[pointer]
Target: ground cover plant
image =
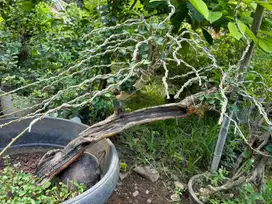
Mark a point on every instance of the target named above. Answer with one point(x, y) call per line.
point(20, 187)
point(93, 69)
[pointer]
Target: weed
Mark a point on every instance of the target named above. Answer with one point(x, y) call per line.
point(179, 146)
point(151, 95)
point(248, 194)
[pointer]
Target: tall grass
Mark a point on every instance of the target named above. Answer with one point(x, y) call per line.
point(177, 147)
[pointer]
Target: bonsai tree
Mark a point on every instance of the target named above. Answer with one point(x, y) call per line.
point(147, 46)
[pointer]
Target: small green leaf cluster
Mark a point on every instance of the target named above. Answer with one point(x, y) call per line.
point(19, 187)
point(247, 193)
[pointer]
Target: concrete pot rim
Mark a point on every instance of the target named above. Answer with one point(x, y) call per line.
point(193, 197)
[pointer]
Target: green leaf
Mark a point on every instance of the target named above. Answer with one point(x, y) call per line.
point(265, 45)
point(246, 30)
point(214, 16)
point(156, 4)
point(202, 97)
point(47, 185)
point(207, 36)
point(25, 5)
point(242, 26)
point(108, 95)
point(251, 35)
point(234, 30)
point(201, 7)
point(246, 19)
point(246, 154)
point(179, 16)
point(234, 108)
point(266, 32)
point(268, 148)
point(267, 5)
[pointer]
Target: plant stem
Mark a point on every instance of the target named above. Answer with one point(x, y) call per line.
point(12, 141)
point(257, 20)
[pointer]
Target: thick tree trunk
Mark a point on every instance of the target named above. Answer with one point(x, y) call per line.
point(56, 161)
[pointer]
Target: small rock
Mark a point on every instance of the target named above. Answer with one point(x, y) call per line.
point(174, 197)
point(201, 190)
point(179, 185)
point(122, 176)
point(147, 172)
point(147, 192)
point(136, 193)
point(149, 200)
point(76, 119)
point(33, 166)
point(204, 191)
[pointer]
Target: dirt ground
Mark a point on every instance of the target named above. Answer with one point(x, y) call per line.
point(135, 189)
point(132, 189)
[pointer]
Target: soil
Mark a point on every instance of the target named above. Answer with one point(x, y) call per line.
point(132, 189)
point(135, 189)
point(28, 161)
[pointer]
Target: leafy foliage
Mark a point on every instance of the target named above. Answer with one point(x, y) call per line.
point(19, 187)
point(248, 194)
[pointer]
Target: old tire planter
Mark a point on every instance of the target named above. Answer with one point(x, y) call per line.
point(56, 133)
point(193, 197)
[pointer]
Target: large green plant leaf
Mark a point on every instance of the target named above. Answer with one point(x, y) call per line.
point(201, 7)
point(265, 45)
point(25, 5)
point(269, 33)
point(234, 30)
point(214, 16)
point(195, 15)
point(250, 34)
point(267, 5)
point(243, 28)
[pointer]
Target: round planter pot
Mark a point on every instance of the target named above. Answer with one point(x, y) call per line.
point(51, 133)
point(193, 197)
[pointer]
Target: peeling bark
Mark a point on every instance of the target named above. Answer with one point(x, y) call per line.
point(55, 161)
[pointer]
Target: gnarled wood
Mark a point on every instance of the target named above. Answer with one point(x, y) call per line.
point(54, 162)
